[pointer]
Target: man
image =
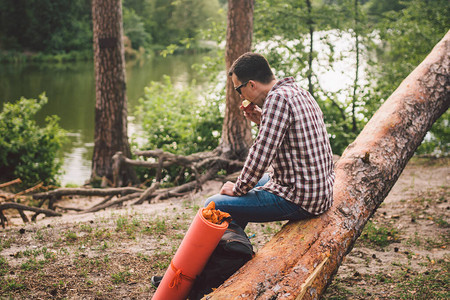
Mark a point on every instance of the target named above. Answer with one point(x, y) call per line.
point(292, 139)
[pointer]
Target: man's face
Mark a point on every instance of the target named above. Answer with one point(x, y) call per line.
point(250, 90)
point(240, 87)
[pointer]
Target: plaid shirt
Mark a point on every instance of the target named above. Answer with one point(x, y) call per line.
point(292, 139)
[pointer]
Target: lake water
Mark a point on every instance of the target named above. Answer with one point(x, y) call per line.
point(70, 88)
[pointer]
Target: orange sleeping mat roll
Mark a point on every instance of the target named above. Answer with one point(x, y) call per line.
point(191, 257)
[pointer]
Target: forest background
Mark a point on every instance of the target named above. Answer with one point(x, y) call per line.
point(390, 37)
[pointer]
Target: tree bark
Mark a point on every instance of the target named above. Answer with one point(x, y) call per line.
point(301, 260)
point(236, 130)
point(111, 103)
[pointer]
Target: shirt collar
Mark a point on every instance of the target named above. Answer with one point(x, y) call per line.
point(281, 82)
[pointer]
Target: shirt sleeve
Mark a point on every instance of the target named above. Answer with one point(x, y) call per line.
point(275, 120)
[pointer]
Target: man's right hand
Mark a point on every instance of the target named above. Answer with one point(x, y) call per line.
point(252, 112)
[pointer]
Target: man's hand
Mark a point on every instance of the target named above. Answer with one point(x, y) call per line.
point(227, 189)
point(252, 112)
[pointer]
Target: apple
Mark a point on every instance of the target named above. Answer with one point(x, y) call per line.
point(247, 106)
point(246, 103)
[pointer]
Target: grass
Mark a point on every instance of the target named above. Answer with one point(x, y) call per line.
point(71, 236)
point(4, 267)
point(405, 283)
point(6, 243)
point(86, 228)
point(32, 265)
point(120, 277)
point(437, 242)
point(39, 235)
point(379, 236)
point(431, 284)
point(157, 227)
point(91, 256)
point(10, 284)
point(441, 222)
point(416, 241)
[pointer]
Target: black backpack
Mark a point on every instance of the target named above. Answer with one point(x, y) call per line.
point(233, 251)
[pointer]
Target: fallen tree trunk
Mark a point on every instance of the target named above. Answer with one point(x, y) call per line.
point(301, 260)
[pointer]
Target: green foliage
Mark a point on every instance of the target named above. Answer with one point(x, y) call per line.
point(58, 26)
point(169, 22)
point(212, 66)
point(338, 126)
point(134, 29)
point(176, 120)
point(406, 37)
point(27, 151)
point(285, 25)
point(376, 9)
point(45, 25)
point(437, 142)
point(10, 284)
point(284, 30)
point(393, 38)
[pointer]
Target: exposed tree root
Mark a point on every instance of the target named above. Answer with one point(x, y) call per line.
point(21, 208)
point(203, 166)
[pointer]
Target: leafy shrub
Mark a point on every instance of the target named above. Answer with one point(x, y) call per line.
point(27, 151)
point(176, 120)
point(134, 29)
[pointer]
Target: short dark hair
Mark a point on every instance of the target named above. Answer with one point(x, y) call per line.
point(252, 66)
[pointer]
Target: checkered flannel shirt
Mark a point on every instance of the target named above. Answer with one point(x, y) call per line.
point(292, 139)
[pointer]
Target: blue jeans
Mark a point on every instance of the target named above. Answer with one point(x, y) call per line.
point(258, 206)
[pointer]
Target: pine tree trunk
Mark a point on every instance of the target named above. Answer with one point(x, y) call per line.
point(111, 103)
point(300, 261)
point(236, 130)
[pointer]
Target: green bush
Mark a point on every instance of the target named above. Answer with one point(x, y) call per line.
point(27, 151)
point(176, 120)
point(134, 29)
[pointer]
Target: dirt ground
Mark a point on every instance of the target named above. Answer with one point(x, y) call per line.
point(112, 254)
